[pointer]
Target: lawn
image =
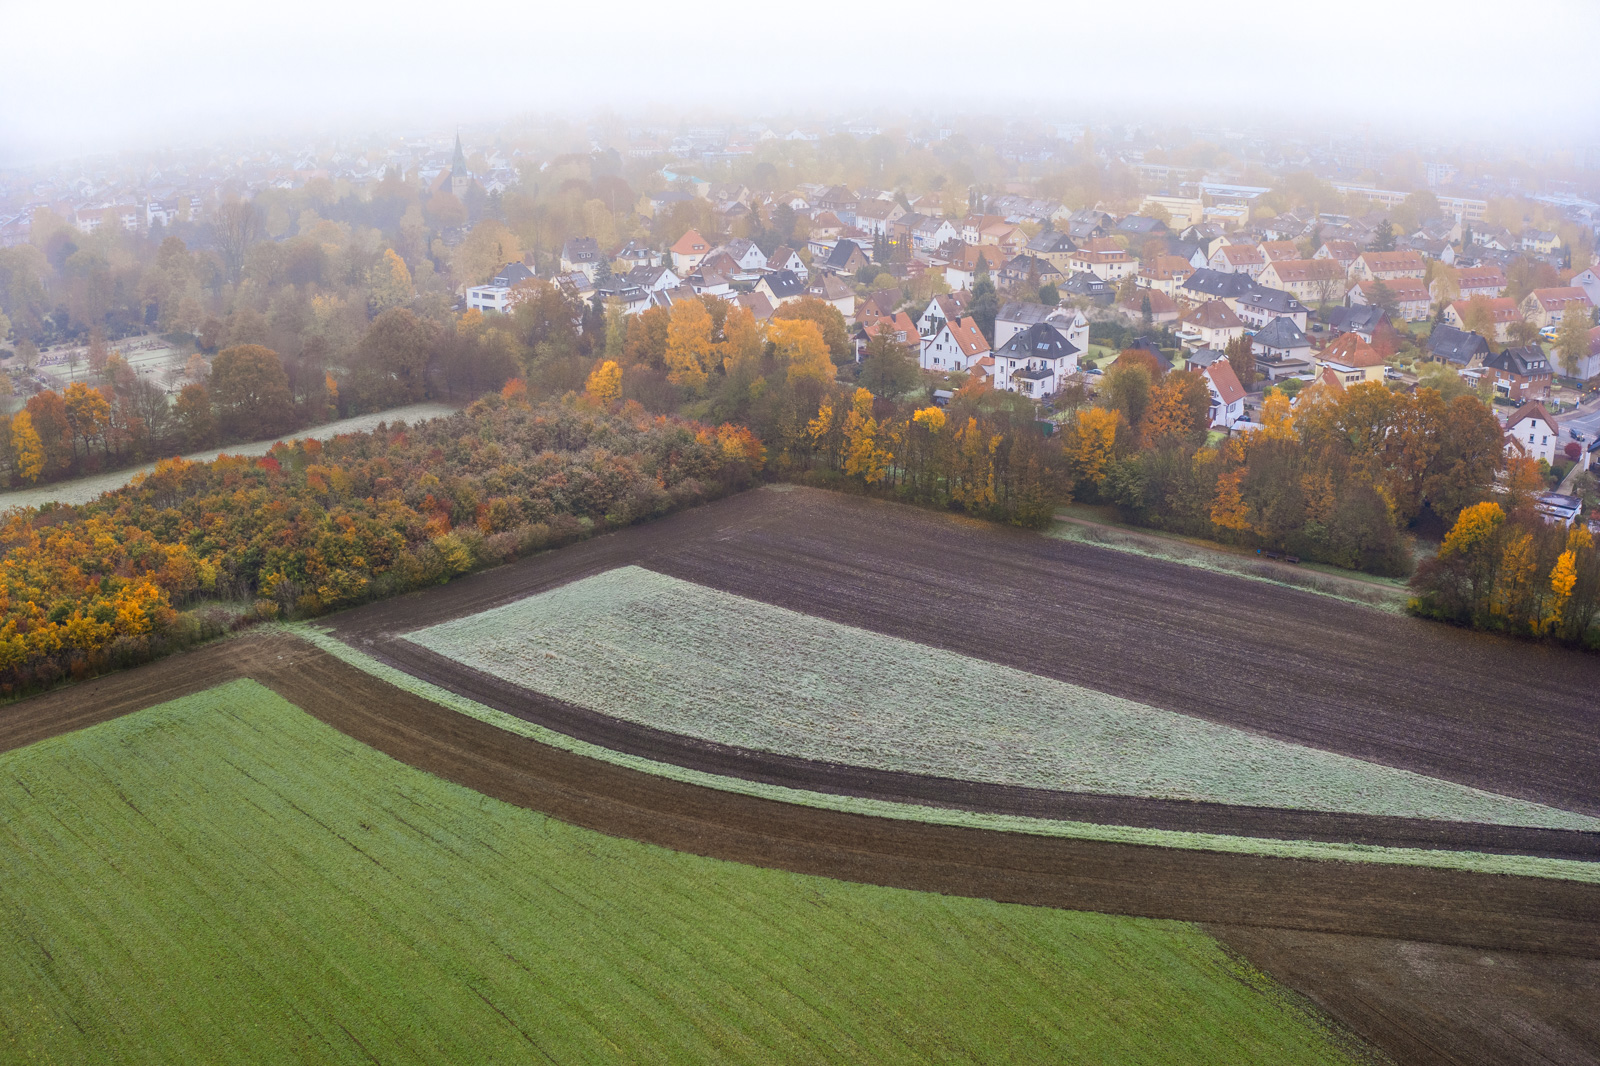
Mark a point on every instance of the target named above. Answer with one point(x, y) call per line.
point(673, 655)
point(223, 878)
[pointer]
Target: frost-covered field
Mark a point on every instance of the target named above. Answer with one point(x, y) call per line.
point(666, 653)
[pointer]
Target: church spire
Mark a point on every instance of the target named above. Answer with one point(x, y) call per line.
point(458, 165)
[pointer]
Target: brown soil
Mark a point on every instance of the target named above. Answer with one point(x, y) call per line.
point(1511, 717)
point(1434, 1003)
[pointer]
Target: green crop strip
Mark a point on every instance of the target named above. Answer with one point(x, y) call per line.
point(223, 878)
point(1476, 862)
point(658, 651)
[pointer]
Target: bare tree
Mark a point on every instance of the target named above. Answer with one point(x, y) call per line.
point(237, 227)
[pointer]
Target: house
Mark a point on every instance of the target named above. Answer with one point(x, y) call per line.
point(496, 294)
point(1010, 239)
point(745, 254)
point(781, 287)
point(946, 307)
point(1362, 320)
point(637, 254)
point(1459, 348)
point(1207, 284)
point(1587, 279)
point(1025, 268)
point(1054, 246)
point(846, 257)
point(1272, 251)
point(784, 257)
point(1089, 287)
point(1547, 307)
point(1261, 305)
point(1282, 350)
point(1342, 252)
point(1532, 432)
point(1557, 508)
point(1352, 359)
point(1502, 312)
point(1161, 307)
point(1211, 325)
point(687, 253)
point(1386, 266)
point(757, 304)
point(1409, 296)
point(1035, 362)
point(1520, 373)
point(1238, 259)
point(1541, 241)
point(1307, 280)
point(1485, 281)
point(1227, 395)
point(653, 278)
point(1111, 266)
point(1140, 227)
point(710, 282)
point(830, 290)
point(1019, 315)
point(933, 233)
point(881, 303)
point(1589, 365)
point(581, 253)
point(955, 345)
point(1163, 273)
point(897, 326)
point(825, 225)
point(874, 216)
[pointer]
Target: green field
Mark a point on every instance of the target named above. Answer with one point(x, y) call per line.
point(677, 656)
point(225, 879)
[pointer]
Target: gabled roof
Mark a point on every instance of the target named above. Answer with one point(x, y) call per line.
point(1225, 381)
point(829, 287)
point(1214, 314)
point(1219, 284)
point(1241, 254)
point(1282, 332)
point(1024, 264)
point(756, 303)
point(511, 274)
point(1051, 242)
point(1350, 350)
point(1359, 318)
point(839, 257)
point(1526, 361)
point(1453, 345)
point(1039, 341)
point(1404, 290)
point(691, 243)
point(1275, 300)
point(1160, 302)
point(1023, 313)
point(1329, 378)
point(783, 284)
point(1307, 270)
point(968, 337)
point(1404, 260)
point(1557, 298)
point(1531, 409)
point(1501, 308)
point(1345, 251)
point(581, 250)
point(1273, 251)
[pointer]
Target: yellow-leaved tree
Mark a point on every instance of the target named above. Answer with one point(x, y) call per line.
point(798, 343)
point(688, 344)
point(389, 281)
point(605, 383)
point(972, 485)
point(742, 342)
point(28, 447)
point(864, 454)
point(1089, 443)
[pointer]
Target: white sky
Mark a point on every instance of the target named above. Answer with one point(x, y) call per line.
point(108, 73)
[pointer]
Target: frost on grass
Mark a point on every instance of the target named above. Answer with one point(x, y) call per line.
point(673, 655)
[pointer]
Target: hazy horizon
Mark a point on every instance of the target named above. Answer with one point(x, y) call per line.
point(180, 72)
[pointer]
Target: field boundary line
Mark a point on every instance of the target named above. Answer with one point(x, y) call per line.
point(1466, 861)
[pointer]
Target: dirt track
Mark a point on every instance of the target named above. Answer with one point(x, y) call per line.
point(1511, 717)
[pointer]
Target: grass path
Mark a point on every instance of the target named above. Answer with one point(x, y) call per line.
point(84, 489)
point(222, 878)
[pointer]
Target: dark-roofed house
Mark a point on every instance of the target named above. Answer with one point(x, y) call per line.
point(781, 287)
point(846, 257)
point(1206, 284)
point(1520, 374)
point(1035, 362)
point(1089, 286)
point(1261, 305)
point(1053, 245)
point(1282, 350)
point(1025, 266)
point(1211, 325)
point(829, 289)
point(1360, 320)
point(1460, 348)
point(1018, 315)
point(581, 253)
point(1140, 226)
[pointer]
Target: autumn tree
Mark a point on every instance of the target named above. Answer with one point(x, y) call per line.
point(829, 321)
point(389, 283)
point(88, 413)
point(888, 369)
point(742, 341)
point(48, 414)
point(391, 362)
point(798, 345)
point(1572, 342)
point(236, 227)
point(27, 447)
point(605, 383)
point(688, 344)
point(192, 411)
point(251, 392)
point(1241, 356)
point(865, 455)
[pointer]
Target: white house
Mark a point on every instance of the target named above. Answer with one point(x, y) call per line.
point(1035, 362)
point(785, 258)
point(1227, 395)
point(1532, 432)
point(746, 254)
point(1589, 281)
point(1018, 315)
point(955, 345)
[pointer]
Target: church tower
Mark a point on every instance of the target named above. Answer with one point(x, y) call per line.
point(460, 176)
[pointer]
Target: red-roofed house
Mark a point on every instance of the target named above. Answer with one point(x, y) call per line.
point(1163, 308)
point(1227, 395)
point(1272, 251)
point(1307, 280)
point(956, 345)
point(1386, 266)
point(1546, 307)
point(1238, 259)
point(1211, 325)
point(1502, 310)
point(1163, 273)
point(1342, 252)
point(1110, 266)
point(1486, 281)
point(1352, 359)
point(688, 252)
